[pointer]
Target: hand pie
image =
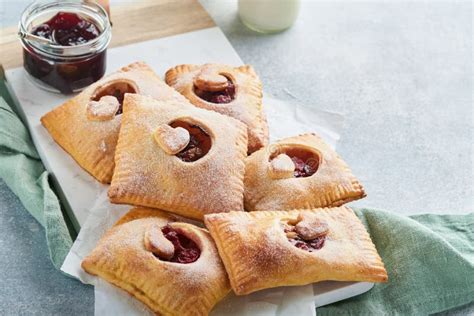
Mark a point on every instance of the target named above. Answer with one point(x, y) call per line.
point(172, 267)
point(236, 92)
point(300, 172)
point(284, 248)
point(176, 157)
point(87, 125)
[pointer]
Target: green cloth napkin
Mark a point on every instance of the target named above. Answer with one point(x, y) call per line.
point(430, 264)
point(22, 170)
point(429, 258)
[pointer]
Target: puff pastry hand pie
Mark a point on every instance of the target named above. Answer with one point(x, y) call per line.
point(87, 125)
point(233, 91)
point(177, 157)
point(300, 172)
point(284, 248)
point(172, 267)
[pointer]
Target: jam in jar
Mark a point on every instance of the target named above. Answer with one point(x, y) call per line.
point(64, 44)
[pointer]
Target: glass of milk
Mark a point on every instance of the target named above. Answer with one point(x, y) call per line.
point(269, 16)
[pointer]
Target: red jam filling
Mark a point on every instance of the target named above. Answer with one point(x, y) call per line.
point(308, 245)
point(119, 96)
point(302, 169)
point(185, 250)
point(223, 96)
point(67, 29)
point(199, 142)
point(306, 161)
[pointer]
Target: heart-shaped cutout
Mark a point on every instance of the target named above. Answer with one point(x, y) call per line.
point(209, 79)
point(157, 243)
point(281, 167)
point(171, 140)
point(104, 109)
point(309, 226)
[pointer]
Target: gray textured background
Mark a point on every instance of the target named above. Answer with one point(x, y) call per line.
point(401, 73)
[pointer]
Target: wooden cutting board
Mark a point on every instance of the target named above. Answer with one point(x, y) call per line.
point(135, 22)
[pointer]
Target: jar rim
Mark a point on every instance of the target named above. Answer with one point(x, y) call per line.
point(92, 10)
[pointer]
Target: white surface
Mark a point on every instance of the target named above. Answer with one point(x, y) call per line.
point(329, 292)
point(95, 214)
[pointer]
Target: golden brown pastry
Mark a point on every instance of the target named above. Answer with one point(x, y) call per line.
point(300, 172)
point(284, 248)
point(233, 91)
point(177, 157)
point(87, 125)
point(172, 267)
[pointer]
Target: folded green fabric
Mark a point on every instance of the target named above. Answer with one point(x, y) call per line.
point(23, 172)
point(429, 260)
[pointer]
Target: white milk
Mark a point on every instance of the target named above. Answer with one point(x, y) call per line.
point(268, 16)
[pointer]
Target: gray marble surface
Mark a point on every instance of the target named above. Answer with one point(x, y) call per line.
point(401, 73)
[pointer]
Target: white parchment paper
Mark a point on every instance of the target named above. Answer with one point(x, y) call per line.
point(285, 119)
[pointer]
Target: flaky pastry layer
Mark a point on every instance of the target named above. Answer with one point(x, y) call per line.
point(167, 288)
point(92, 143)
point(148, 176)
point(257, 254)
point(333, 184)
point(246, 107)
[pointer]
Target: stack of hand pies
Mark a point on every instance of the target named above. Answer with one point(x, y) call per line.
point(196, 147)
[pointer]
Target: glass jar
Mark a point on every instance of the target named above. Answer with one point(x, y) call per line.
point(58, 68)
point(268, 16)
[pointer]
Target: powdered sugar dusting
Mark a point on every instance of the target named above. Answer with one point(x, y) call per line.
point(103, 146)
point(92, 142)
point(331, 185)
point(258, 254)
point(281, 167)
point(104, 109)
point(171, 140)
point(246, 107)
point(148, 176)
point(169, 286)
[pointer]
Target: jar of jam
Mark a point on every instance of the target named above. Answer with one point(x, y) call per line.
point(64, 44)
